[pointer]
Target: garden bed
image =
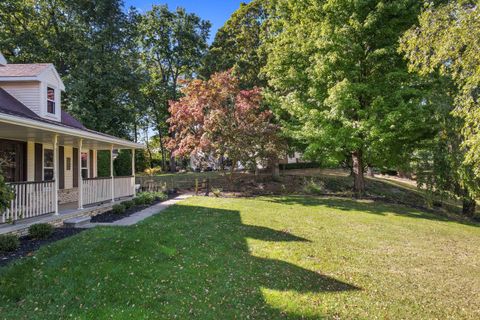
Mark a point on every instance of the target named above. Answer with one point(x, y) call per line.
point(28, 245)
point(110, 216)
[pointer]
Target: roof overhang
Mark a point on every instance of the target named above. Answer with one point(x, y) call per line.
point(24, 129)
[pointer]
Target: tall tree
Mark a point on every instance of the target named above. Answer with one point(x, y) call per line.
point(173, 46)
point(237, 46)
point(447, 40)
point(339, 84)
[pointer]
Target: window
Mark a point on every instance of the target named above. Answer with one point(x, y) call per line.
point(84, 165)
point(50, 100)
point(47, 164)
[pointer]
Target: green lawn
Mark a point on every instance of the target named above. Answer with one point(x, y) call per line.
point(264, 258)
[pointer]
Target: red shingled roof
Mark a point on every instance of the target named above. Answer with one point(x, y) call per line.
point(23, 70)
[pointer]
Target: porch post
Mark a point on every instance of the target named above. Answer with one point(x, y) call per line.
point(55, 173)
point(80, 177)
point(133, 172)
point(111, 173)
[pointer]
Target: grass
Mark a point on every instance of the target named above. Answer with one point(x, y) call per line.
point(264, 258)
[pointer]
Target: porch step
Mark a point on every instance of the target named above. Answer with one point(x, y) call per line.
point(77, 222)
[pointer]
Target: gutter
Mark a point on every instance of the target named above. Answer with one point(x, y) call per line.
point(15, 120)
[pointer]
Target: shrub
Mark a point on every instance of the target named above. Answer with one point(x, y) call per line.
point(313, 187)
point(217, 192)
point(118, 209)
point(128, 204)
point(300, 165)
point(153, 171)
point(8, 243)
point(160, 196)
point(40, 231)
point(138, 201)
point(148, 197)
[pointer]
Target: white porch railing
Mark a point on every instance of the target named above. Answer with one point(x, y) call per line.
point(96, 190)
point(100, 189)
point(32, 199)
point(123, 186)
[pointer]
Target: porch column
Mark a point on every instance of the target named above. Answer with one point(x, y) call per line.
point(111, 173)
point(133, 172)
point(55, 173)
point(80, 177)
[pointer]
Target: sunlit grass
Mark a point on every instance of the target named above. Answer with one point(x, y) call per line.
point(264, 258)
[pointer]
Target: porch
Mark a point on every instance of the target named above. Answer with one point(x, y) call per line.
point(55, 173)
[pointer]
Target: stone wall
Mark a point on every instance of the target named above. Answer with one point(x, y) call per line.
point(67, 195)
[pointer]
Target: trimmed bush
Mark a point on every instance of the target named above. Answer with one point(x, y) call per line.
point(118, 209)
point(138, 201)
point(40, 231)
point(128, 204)
point(160, 196)
point(305, 165)
point(149, 198)
point(9, 243)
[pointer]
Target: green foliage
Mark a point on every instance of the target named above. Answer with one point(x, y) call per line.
point(338, 84)
point(314, 187)
point(8, 243)
point(128, 204)
point(122, 165)
point(118, 208)
point(217, 192)
point(173, 43)
point(6, 194)
point(138, 200)
point(237, 46)
point(446, 40)
point(103, 163)
point(41, 231)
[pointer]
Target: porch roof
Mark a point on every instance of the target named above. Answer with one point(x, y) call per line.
point(16, 127)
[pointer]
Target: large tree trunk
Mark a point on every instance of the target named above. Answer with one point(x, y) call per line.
point(358, 178)
point(469, 206)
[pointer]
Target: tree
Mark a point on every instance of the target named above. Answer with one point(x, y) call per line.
point(173, 45)
point(446, 40)
point(237, 46)
point(338, 84)
point(215, 117)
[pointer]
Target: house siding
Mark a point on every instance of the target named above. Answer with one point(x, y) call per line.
point(27, 93)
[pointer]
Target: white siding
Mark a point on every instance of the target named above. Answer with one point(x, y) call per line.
point(68, 173)
point(27, 93)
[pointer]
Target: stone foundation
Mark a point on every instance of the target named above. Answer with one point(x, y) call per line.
point(67, 195)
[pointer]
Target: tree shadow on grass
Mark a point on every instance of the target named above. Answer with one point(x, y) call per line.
point(369, 206)
point(188, 263)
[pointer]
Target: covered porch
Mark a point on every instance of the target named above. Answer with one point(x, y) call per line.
point(55, 171)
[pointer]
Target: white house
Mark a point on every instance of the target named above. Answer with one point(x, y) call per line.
point(49, 157)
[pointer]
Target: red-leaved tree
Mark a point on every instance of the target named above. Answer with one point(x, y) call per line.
point(214, 117)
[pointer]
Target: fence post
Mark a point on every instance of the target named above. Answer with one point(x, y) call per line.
point(196, 186)
point(208, 187)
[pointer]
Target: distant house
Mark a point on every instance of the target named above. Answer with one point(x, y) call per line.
point(293, 157)
point(49, 157)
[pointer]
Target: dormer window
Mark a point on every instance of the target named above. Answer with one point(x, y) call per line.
point(51, 100)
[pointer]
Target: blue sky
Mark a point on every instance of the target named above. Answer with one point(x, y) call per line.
point(216, 11)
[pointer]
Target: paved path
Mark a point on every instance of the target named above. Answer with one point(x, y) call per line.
point(142, 215)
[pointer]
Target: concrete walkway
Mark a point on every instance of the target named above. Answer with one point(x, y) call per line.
point(141, 215)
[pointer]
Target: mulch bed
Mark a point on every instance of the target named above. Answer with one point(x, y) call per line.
point(109, 216)
point(29, 245)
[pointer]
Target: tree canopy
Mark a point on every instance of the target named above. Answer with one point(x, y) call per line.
point(446, 40)
point(339, 84)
